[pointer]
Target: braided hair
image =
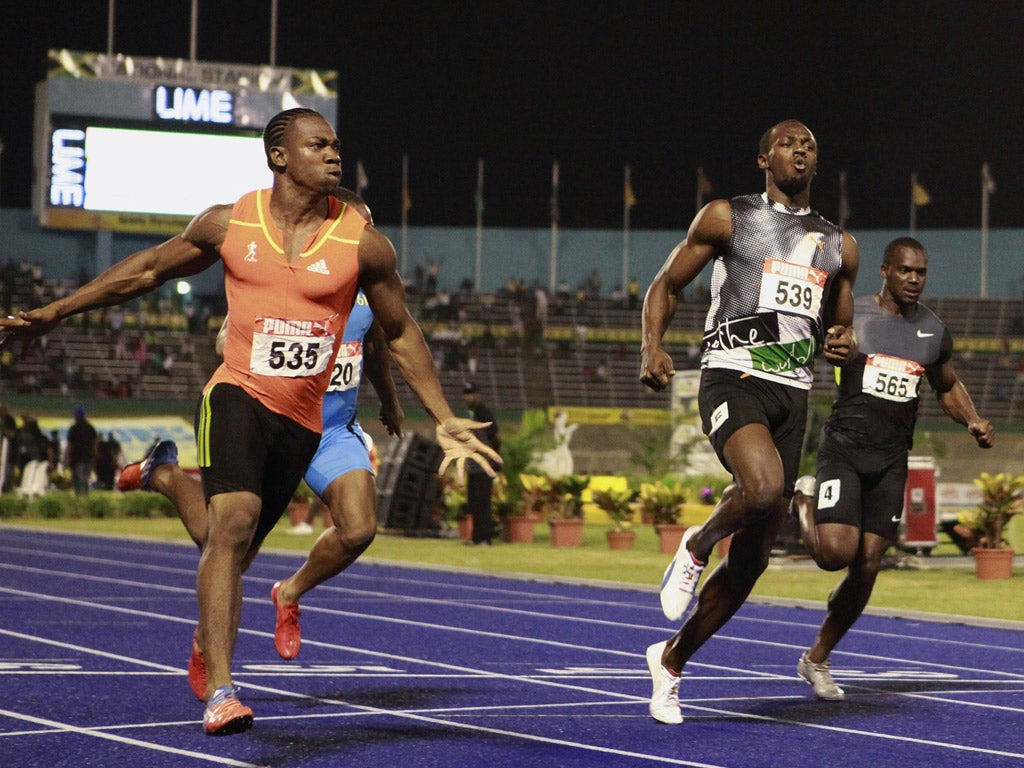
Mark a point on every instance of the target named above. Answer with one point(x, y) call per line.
point(273, 134)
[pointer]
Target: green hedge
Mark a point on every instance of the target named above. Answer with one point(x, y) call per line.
point(96, 504)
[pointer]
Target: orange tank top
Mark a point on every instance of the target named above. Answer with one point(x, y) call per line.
point(287, 319)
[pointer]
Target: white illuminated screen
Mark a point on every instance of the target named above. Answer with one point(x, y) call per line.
point(167, 172)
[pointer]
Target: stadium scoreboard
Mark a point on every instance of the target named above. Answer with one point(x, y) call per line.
point(136, 144)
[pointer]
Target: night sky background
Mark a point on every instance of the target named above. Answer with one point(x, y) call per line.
point(934, 88)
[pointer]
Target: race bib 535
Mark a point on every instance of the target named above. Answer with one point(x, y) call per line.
point(290, 347)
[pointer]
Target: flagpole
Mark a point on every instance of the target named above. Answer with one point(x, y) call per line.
point(405, 214)
point(192, 31)
point(986, 189)
point(844, 201)
point(626, 187)
point(110, 27)
point(553, 273)
point(913, 206)
point(273, 33)
point(479, 202)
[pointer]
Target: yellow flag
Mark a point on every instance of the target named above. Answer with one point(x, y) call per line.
point(919, 195)
point(627, 195)
point(406, 200)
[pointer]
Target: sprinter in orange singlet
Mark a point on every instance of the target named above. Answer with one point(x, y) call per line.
point(293, 257)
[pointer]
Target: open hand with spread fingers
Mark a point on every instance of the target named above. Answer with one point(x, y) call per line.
point(456, 438)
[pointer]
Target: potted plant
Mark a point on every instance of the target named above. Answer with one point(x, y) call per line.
point(662, 504)
point(616, 503)
point(1002, 497)
point(536, 491)
point(453, 499)
point(565, 510)
point(298, 509)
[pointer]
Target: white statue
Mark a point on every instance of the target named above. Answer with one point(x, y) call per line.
point(558, 461)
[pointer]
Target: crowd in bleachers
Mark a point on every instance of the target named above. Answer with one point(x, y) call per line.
point(522, 346)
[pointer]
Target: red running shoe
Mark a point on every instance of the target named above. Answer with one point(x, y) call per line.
point(135, 477)
point(225, 714)
point(197, 669)
point(287, 637)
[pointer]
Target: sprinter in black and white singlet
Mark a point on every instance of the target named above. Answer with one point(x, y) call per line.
point(862, 457)
point(781, 290)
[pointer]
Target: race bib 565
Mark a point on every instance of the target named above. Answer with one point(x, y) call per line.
point(891, 378)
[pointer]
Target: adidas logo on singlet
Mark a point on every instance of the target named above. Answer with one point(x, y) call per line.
point(320, 267)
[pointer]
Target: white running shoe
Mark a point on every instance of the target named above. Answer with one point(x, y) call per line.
point(301, 529)
point(664, 705)
point(679, 583)
point(819, 675)
point(807, 485)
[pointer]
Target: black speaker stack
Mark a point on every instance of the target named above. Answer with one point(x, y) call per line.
point(408, 486)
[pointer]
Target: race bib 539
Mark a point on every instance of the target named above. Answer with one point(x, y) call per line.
point(795, 289)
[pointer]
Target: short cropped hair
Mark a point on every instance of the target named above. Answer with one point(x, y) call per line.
point(902, 242)
point(273, 134)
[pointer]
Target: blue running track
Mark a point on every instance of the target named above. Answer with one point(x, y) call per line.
point(405, 667)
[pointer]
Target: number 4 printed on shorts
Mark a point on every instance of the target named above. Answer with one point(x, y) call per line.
point(828, 494)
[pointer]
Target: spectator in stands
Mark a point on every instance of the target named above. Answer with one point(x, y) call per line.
point(594, 283)
point(433, 268)
point(31, 445)
point(109, 459)
point(480, 485)
point(80, 454)
point(8, 429)
point(633, 292)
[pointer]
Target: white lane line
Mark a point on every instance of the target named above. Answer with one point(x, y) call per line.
point(519, 595)
point(857, 732)
point(409, 715)
point(483, 673)
point(66, 728)
point(944, 666)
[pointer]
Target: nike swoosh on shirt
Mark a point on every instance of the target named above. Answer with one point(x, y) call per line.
point(922, 335)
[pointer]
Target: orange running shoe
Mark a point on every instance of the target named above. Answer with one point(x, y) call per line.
point(225, 714)
point(287, 637)
point(135, 477)
point(197, 669)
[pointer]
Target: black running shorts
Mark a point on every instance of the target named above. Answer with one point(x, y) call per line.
point(244, 446)
point(859, 487)
point(729, 400)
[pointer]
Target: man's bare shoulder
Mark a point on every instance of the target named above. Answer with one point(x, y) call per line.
point(209, 227)
point(375, 250)
point(713, 224)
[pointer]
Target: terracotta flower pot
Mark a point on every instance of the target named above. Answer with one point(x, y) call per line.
point(669, 536)
point(620, 539)
point(298, 512)
point(566, 533)
point(520, 529)
point(993, 563)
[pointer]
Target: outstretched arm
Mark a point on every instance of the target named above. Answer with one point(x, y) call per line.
point(708, 236)
point(383, 288)
point(186, 254)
